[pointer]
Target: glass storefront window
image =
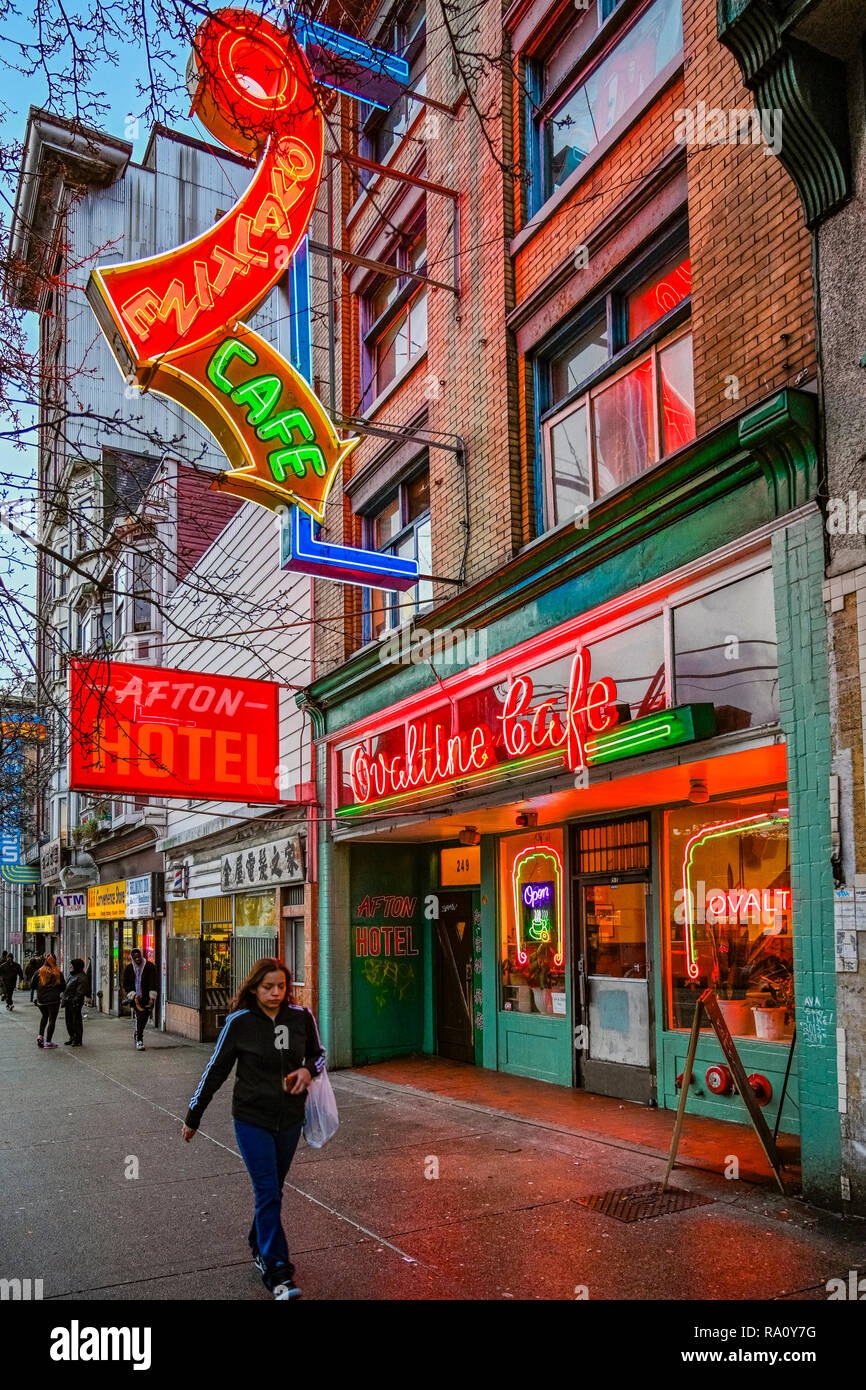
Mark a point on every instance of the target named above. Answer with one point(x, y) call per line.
point(725, 651)
point(636, 660)
point(185, 918)
point(532, 925)
point(255, 914)
point(728, 914)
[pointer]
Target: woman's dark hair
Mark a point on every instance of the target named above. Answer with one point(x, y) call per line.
point(246, 995)
point(77, 964)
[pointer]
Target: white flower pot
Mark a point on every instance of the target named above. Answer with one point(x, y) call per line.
point(542, 1000)
point(738, 1016)
point(770, 1024)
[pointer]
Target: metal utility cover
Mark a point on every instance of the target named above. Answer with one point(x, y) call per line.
point(643, 1200)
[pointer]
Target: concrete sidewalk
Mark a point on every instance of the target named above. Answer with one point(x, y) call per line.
point(104, 1201)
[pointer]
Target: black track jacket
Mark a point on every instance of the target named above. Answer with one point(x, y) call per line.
point(264, 1055)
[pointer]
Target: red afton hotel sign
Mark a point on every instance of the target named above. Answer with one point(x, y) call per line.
point(162, 732)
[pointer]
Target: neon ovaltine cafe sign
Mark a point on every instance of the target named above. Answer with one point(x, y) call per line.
point(431, 757)
point(175, 321)
point(583, 726)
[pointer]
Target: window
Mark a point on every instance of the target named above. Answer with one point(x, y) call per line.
point(294, 938)
point(572, 117)
point(119, 603)
point(532, 928)
point(620, 392)
point(401, 526)
point(142, 591)
point(728, 916)
point(383, 130)
point(394, 316)
point(725, 651)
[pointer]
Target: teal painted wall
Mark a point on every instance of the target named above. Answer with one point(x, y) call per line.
point(804, 684)
point(390, 980)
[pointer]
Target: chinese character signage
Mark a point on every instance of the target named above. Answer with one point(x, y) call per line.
point(146, 729)
point(50, 859)
point(263, 866)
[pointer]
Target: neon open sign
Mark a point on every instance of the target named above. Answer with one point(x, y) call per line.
point(537, 895)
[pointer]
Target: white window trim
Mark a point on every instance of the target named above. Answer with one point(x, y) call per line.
point(586, 399)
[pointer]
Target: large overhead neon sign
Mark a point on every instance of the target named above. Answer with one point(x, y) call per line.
point(172, 733)
point(173, 321)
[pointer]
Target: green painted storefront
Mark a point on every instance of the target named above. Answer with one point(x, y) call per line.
point(752, 481)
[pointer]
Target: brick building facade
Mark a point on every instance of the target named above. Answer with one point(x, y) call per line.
point(630, 365)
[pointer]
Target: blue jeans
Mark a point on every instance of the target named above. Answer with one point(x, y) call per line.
point(268, 1157)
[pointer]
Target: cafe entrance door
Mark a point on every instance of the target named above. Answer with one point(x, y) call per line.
point(611, 899)
point(455, 975)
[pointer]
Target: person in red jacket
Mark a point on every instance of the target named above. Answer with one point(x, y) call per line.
point(278, 1051)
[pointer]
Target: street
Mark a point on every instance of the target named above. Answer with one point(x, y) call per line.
point(102, 1200)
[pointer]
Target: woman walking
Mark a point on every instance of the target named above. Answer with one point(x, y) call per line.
point(277, 1047)
point(50, 985)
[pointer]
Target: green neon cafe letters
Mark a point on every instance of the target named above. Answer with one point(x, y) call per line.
point(223, 355)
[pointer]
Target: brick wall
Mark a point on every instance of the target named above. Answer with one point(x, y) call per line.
point(752, 295)
point(466, 381)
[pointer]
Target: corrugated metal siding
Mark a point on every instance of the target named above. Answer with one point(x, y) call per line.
point(236, 587)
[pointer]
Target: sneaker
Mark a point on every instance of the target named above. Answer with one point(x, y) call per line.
point(39, 1042)
point(139, 1047)
point(287, 1289)
point(69, 1043)
point(49, 1044)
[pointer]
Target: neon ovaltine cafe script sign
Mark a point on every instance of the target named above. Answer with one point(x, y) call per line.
point(175, 321)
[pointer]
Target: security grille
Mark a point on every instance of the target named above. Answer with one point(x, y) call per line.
point(184, 971)
point(619, 848)
point(246, 950)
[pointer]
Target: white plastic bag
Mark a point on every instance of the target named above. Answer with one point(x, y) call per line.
point(321, 1120)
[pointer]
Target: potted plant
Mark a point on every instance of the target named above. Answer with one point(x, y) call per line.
point(771, 1014)
point(89, 830)
point(540, 976)
point(733, 957)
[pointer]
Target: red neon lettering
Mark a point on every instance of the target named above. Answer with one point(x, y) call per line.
point(590, 707)
point(360, 941)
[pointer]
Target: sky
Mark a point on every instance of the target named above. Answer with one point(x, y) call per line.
point(19, 93)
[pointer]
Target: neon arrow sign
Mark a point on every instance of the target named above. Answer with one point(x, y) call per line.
point(173, 321)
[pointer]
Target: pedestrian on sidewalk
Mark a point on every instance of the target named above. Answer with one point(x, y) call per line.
point(139, 982)
point(50, 985)
point(34, 965)
point(10, 974)
point(278, 1051)
point(73, 1003)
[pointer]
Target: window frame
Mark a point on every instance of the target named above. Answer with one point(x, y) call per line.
point(609, 302)
point(394, 599)
point(612, 28)
point(373, 331)
point(396, 38)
